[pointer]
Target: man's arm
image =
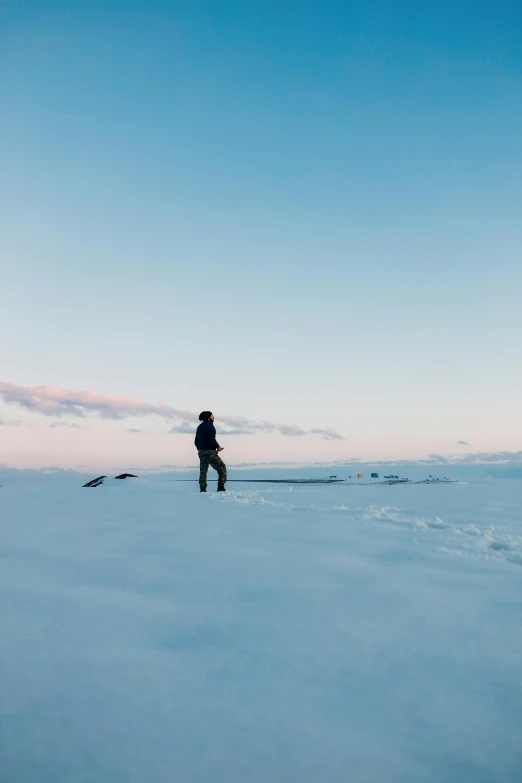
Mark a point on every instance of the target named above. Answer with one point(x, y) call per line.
point(212, 433)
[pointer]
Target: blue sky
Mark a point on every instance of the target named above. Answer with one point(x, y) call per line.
point(305, 213)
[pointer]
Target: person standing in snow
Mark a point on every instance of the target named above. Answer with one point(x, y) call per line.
point(208, 447)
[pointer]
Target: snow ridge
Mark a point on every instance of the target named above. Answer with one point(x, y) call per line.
point(491, 543)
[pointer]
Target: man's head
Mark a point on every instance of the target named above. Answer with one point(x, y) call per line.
point(206, 416)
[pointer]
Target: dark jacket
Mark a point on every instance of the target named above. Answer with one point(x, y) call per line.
point(206, 436)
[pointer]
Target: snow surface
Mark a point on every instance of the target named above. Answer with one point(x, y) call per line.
point(271, 633)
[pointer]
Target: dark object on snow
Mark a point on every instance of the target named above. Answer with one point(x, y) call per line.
point(221, 489)
point(374, 475)
point(432, 480)
point(277, 481)
point(202, 490)
point(95, 482)
point(287, 481)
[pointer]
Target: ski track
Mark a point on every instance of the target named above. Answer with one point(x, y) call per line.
point(468, 541)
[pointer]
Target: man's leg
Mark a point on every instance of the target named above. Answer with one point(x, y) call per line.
point(218, 464)
point(204, 462)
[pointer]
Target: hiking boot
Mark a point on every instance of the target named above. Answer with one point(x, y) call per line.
point(221, 489)
point(202, 490)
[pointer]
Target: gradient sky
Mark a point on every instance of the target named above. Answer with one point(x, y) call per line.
point(300, 212)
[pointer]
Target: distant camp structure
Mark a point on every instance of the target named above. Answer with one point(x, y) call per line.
point(374, 475)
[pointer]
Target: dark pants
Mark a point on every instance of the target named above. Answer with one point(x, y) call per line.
point(211, 457)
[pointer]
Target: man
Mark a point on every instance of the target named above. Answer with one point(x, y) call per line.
point(207, 446)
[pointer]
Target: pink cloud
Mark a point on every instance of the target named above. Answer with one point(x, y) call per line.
point(53, 401)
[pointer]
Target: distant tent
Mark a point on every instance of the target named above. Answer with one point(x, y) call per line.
point(360, 475)
point(374, 475)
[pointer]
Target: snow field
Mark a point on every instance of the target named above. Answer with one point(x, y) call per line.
point(274, 634)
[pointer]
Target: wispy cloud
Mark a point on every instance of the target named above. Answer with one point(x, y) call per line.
point(494, 457)
point(133, 429)
point(478, 457)
point(182, 427)
point(462, 443)
point(66, 424)
point(10, 423)
point(500, 459)
point(53, 401)
point(327, 433)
